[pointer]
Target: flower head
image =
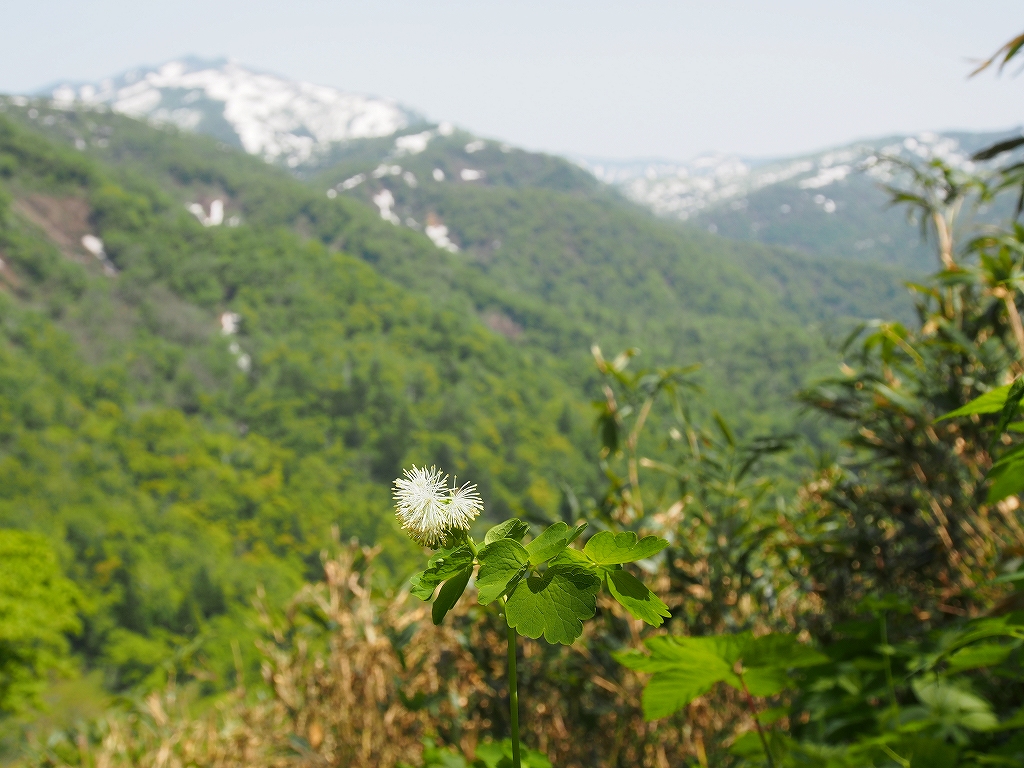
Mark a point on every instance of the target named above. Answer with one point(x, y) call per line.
point(464, 505)
point(428, 510)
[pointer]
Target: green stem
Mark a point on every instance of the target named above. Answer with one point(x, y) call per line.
point(757, 723)
point(888, 663)
point(513, 695)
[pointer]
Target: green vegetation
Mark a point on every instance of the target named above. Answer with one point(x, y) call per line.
point(38, 609)
point(895, 556)
point(171, 480)
point(193, 418)
point(577, 265)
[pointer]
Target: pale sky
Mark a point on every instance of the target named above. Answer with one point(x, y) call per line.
point(611, 79)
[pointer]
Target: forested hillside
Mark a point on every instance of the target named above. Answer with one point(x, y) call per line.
point(173, 467)
point(576, 264)
point(189, 411)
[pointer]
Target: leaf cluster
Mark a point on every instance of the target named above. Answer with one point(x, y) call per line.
point(545, 587)
point(858, 700)
point(684, 668)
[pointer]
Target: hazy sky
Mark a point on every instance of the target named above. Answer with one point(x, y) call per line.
point(626, 79)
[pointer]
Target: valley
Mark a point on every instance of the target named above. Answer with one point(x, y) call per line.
point(226, 331)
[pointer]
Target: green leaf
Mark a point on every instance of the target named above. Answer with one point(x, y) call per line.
point(668, 692)
point(772, 715)
point(450, 594)
point(977, 656)
point(726, 648)
point(1007, 479)
point(492, 754)
point(553, 540)
point(441, 567)
point(684, 668)
point(570, 556)
point(949, 705)
point(554, 604)
point(767, 659)
point(635, 597)
point(510, 529)
point(1013, 455)
point(780, 651)
point(762, 681)
point(501, 562)
point(991, 402)
point(747, 745)
point(999, 626)
point(1010, 408)
point(607, 548)
point(997, 149)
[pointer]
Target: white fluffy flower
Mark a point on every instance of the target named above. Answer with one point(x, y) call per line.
point(464, 505)
point(428, 510)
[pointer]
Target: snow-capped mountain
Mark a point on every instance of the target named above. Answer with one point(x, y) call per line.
point(278, 119)
point(687, 189)
point(827, 203)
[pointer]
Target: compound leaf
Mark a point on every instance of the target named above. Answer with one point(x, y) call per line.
point(441, 567)
point(607, 548)
point(668, 692)
point(686, 667)
point(683, 667)
point(762, 681)
point(780, 651)
point(553, 540)
point(554, 604)
point(501, 563)
point(450, 594)
point(510, 529)
point(635, 597)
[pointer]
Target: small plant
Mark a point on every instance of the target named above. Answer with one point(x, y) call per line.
point(544, 587)
point(948, 700)
point(687, 667)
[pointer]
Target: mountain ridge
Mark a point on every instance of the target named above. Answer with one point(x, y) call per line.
point(269, 115)
point(828, 202)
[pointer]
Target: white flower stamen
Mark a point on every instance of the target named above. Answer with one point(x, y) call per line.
point(429, 511)
point(464, 506)
point(420, 500)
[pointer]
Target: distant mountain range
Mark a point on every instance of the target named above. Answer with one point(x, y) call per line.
point(828, 203)
point(278, 119)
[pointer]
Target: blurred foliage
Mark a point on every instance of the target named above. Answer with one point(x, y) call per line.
point(38, 609)
point(897, 554)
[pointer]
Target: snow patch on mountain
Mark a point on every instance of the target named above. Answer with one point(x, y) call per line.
point(684, 190)
point(278, 119)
